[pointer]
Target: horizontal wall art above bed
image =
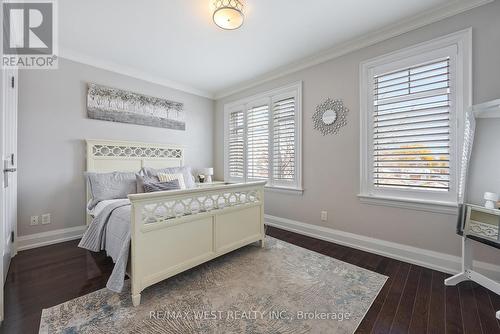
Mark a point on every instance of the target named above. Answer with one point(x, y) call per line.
point(116, 105)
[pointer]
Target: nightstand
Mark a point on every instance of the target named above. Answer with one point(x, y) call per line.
point(209, 184)
point(484, 224)
point(481, 225)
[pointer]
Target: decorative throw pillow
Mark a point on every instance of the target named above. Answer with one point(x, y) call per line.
point(164, 177)
point(186, 171)
point(150, 187)
point(141, 179)
point(114, 185)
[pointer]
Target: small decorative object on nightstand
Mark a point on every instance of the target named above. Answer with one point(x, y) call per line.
point(491, 200)
point(205, 175)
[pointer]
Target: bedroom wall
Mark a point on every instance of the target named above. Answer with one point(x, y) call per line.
point(331, 163)
point(53, 126)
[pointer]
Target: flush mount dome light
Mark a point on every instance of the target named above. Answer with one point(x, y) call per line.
point(228, 14)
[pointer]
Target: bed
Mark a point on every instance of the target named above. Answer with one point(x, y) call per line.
point(172, 231)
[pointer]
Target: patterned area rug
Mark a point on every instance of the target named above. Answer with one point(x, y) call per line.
point(280, 289)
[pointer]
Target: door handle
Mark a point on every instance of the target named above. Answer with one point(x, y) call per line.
point(6, 170)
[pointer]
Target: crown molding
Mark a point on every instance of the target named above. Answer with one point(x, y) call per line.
point(129, 71)
point(372, 38)
point(490, 109)
point(341, 49)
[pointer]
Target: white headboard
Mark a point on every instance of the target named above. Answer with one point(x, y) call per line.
point(126, 156)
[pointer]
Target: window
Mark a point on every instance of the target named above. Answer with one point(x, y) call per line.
point(258, 142)
point(284, 138)
point(411, 128)
point(262, 138)
point(236, 145)
point(412, 111)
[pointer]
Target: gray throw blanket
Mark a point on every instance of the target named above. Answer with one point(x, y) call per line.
point(94, 240)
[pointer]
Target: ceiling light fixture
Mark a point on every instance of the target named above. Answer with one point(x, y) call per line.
point(228, 14)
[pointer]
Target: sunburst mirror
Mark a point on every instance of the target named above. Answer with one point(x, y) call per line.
point(330, 116)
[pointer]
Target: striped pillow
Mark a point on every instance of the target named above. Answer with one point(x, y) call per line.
point(141, 179)
point(164, 177)
point(150, 187)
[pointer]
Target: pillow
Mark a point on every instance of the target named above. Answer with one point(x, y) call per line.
point(112, 185)
point(163, 177)
point(150, 187)
point(185, 170)
point(141, 179)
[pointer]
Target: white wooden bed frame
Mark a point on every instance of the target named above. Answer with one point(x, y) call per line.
point(160, 247)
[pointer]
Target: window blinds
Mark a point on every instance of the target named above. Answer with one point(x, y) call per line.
point(236, 144)
point(258, 142)
point(262, 138)
point(411, 128)
point(284, 130)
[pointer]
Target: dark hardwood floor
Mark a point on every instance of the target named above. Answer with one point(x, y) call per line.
point(414, 299)
point(43, 277)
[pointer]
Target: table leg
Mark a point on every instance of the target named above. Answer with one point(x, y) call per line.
point(458, 278)
point(464, 275)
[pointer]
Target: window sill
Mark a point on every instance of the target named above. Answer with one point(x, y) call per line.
point(284, 190)
point(449, 208)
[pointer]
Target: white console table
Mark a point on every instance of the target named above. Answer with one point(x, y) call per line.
point(481, 225)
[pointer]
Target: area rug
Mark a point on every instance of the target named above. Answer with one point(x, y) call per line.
point(279, 289)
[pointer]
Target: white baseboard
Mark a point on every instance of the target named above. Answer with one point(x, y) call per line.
point(25, 242)
point(426, 258)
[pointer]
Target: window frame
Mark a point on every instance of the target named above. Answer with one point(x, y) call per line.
point(457, 46)
point(291, 90)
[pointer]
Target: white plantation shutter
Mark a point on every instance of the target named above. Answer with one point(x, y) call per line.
point(258, 142)
point(262, 138)
point(411, 128)
point(284, 140)
point(236, 144)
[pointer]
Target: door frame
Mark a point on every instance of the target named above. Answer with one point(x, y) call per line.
point(2, 201)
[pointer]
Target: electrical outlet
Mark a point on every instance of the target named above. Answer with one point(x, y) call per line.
point(46, 218)
point(324, 216)
point(34, 220)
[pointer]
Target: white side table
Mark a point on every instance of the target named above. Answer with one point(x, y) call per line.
point(481, 225)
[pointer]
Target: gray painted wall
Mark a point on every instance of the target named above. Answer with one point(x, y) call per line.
point(331, 163)
point(53, 126)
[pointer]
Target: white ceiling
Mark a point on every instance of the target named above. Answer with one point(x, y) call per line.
point(176, 42)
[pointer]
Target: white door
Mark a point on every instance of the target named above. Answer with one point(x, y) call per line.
point(10, 166)
point(8, 189)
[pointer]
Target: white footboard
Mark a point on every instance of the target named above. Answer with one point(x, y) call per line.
point(176, 230)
